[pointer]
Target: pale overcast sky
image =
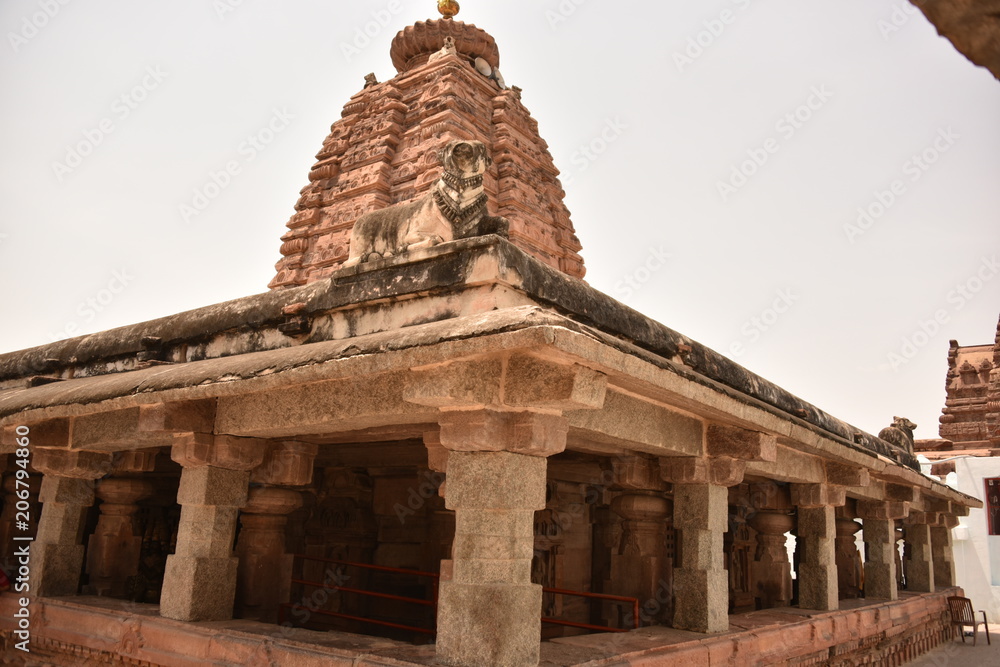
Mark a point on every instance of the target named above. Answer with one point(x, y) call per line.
point(717, 157)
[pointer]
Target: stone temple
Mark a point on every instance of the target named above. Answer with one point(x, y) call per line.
point(432, 443)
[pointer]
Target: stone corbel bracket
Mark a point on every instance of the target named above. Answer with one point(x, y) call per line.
point(728, 449)
point(514, 403)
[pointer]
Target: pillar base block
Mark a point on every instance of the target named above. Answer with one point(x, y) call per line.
point(199, 589)
point(701, 600)
point(489, 624)
point(818, 587)
point(880, 581)
point(56, 568)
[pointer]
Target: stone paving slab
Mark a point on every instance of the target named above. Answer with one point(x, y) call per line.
point(956, 654)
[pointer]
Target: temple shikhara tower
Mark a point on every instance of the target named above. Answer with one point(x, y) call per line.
point(431, 442)
point(384, 149)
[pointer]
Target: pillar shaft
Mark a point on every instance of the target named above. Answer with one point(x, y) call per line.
point(200, 579)
point(57, 553)
point(639, 563)
point(701, 587)
point(880, 559)
point(943, 556)
point(920, 568)
point(265, 568)
point(849, 562)
point(772, 573)
point(489, 612)
point(115, 547)
point(817, 571)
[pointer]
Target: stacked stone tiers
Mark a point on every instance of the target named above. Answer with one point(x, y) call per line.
point(384, 149)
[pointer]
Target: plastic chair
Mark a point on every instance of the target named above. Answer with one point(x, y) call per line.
point(962, 616)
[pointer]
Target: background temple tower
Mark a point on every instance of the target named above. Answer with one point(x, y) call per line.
point(383, 151)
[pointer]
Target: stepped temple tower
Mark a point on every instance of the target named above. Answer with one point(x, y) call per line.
point(431, 442)
point(383, 151)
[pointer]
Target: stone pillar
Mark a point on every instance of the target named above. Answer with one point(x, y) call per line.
point(114, 549)
point(879, 520)
point(500, 417)
point(265, 570)
point(200, 579)
point(920, 567)
point(66, 494)
point(639, 566)
point(942, 554)
point(772, 573)
point(849, 562)
point(817, 571)
point(701, 517)
point(489, 612)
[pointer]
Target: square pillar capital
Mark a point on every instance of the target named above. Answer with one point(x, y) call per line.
point(924, 518)
point(722, 471)
point(193, 450)
point(882, 510)
point(286, 464)
point(75, 464)
point(522, 432)
point(809, 496)
point(638, 473)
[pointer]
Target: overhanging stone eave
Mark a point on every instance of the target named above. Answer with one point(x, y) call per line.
point(452, 266)
point(436, 342)
point(527, 328)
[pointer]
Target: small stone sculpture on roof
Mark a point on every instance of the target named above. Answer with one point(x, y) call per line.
point(455, 208)
point(900, 434)
point(447, 50)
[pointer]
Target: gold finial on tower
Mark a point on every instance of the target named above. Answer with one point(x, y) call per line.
point(448, 8)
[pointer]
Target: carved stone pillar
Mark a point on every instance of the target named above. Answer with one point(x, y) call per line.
point(200, 579)
point(850, 565)
point(66, 494)
point(639, 567)
point(500, 418)
point(115, 547)
point(772, 573)
point(817, 570)
point(701, 514)
point(942, 553)
point(489, 612)
point(879, 521)
point(920, 568)
point(265, 570)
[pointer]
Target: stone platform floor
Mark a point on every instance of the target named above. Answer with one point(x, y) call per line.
point(956, 654)
point(102, 631)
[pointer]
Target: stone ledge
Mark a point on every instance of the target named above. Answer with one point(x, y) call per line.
point(70, 631)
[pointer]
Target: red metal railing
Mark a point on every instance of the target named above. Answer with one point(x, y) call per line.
point(594, 596)
point(433, 601)
point(357, 591)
